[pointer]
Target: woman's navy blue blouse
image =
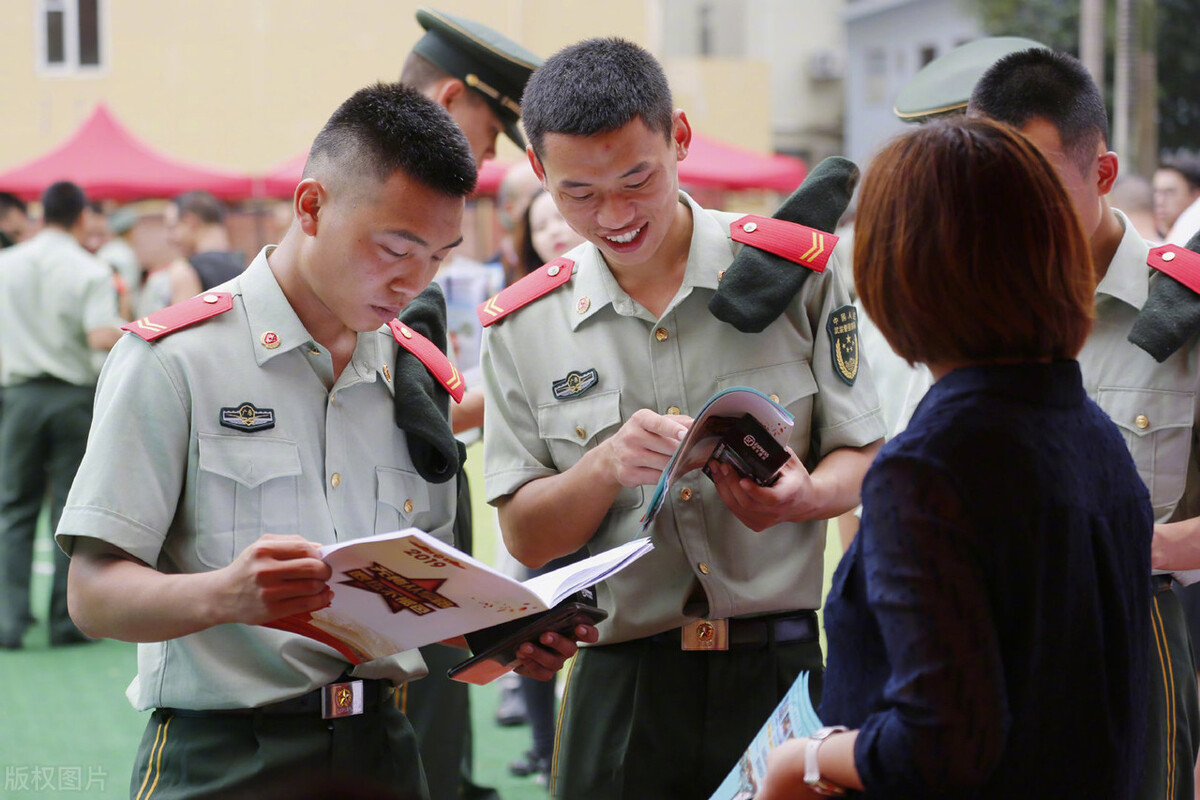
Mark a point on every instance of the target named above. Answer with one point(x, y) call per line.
point(988, 627)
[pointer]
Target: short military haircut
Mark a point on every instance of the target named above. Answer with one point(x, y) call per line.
point(63, 204)
point(202, 205)
point(1053, 86)
point(967, 248)
point(420, 73)
point(388, 127)
point(9, 201)
point(596, 86)
point(1187, 165)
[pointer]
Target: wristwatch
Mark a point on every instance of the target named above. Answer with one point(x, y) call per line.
point(812, 770)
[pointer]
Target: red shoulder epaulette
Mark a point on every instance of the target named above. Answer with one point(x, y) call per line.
point(1180, 263)
point(542, 280)
point(798, 243)
point(181, 315)
point(428, 354)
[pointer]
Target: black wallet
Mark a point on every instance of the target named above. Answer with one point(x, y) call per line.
point(750, 450)
point(495, 648)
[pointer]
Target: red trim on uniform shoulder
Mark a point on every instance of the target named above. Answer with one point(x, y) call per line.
point(798, 243)
point(542, 280)
point(1180, 263)
point(181, 315)
point(434, 359)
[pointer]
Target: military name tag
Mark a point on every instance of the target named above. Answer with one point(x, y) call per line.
point(341, 699)
point(248, 418)
point(705, 634)
point(575, 384)
point(842, 326)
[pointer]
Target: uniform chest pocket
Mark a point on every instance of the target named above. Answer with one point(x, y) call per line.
point(402, 496)
point(247, 486)
point(573, 427)
point(786, 384)
point(1157, 426)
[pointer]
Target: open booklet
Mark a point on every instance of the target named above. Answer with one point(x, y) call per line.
point(794, 717)
point(740, 426)
point(396, 591)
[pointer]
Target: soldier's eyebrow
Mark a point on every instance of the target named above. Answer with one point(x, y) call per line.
point(412, 237)
point(639, 167)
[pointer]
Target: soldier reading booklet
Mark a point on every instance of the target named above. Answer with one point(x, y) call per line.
point(397, 591)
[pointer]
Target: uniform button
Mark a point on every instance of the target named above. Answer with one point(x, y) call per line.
point(685, 494)
point(583, 305)
point(720, 276)
point(314, 351)
point(270, 340)
point(750, 227)
point(774, 398)
point(211, 298)
point(387, 373)
point(1142, 421)
point(553, 271)
point(1168, 256)
point(335, 480)
point(580, 432)
point(405, 332)
point(703, 568)
point(673, 410)
point(661, 334)
point(408, 506)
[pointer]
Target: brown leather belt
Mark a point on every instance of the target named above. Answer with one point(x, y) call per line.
point(347, 697)
point(790, 627)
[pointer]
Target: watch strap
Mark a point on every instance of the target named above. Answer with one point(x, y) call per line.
point(812, 767)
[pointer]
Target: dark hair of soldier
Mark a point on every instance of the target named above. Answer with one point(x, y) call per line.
point(1047, 84)
point(596, 86)
point(62, 204)
point(208, 209)
point(388, 127)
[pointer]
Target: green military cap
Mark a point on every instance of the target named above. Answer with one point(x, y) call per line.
point(944, 85)
point(483, 59)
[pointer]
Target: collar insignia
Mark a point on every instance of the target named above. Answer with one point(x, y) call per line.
point(575, 384)
point(248, 418)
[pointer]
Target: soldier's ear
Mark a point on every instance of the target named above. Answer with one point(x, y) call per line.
point(681, 134)
point(307, 202)
point(536, 163)
point(1108, 167)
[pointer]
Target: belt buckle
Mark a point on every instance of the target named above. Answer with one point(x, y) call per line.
point(705, 634)
point(342, 699)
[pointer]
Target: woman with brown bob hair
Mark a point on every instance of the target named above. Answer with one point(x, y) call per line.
point(987, 627)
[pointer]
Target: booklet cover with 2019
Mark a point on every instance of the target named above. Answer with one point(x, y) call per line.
point(396, 591)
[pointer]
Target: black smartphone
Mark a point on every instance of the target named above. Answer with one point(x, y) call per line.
point(495, 648)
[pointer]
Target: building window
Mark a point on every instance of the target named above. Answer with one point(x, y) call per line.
point(71, 36)
point(876, 76)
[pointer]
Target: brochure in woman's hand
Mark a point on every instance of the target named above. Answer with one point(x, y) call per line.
point(740, 426)
point(794, 717)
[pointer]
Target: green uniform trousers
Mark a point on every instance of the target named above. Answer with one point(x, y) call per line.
point(43, 435)
point(257, 756)
point(645, 719)
point(1173, 732)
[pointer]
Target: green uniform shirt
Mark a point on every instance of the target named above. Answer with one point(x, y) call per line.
point(705, 562)
point(52, 294)
point(1156, 406)
point(166, 481)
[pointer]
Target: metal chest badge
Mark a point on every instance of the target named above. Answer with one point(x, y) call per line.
point(842, 326)
point(246, 417)
point(575, 384)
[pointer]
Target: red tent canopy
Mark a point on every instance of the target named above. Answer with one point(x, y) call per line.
point(713, 164)
point(110, 163)
point(281, 181)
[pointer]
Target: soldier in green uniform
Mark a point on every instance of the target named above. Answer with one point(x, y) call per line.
point(477, 74)
point(592, 366)
point(237, 432)
point(58, 313)
point(1053, 100)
